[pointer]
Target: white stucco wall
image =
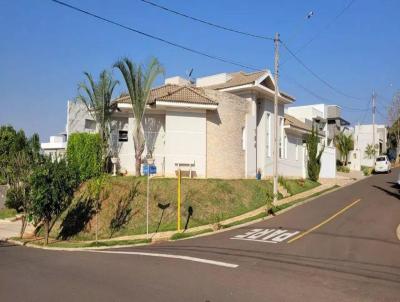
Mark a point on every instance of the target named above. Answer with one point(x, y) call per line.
point(185, 141)
point(363, 136)
point(328, 163)
point(293, 164)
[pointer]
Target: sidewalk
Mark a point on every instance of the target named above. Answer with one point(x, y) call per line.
point(9, 229)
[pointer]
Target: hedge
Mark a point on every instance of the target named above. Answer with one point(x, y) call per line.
point(84, 154)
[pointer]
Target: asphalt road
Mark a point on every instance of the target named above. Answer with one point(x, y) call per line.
point(339, 247)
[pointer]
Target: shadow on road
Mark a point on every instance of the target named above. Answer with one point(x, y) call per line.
point(393, 194)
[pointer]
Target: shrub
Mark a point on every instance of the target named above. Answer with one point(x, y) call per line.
point(314, 156)
point(343, 169)
point(84, 154)
point(366, 170)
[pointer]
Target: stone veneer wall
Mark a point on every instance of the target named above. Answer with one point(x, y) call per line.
point(225, 154)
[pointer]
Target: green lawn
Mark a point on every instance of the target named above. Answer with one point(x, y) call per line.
point(296, 186)
point(7, 213)
point(212, 200)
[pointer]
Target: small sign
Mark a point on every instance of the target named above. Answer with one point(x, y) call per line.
point(267, 235)
point(145, 169)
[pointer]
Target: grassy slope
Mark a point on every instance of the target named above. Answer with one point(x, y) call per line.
point(296, 186)
point(7, 213)
point(212, 200)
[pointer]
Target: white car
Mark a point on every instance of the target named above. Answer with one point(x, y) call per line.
point(398, 180)
point(382, 164)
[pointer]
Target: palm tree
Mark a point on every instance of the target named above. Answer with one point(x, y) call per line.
point(344, 143)
point(370, 151)
point(138, 80)
point(97, 96)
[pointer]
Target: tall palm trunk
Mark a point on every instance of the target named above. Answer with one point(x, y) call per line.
point(138, 140)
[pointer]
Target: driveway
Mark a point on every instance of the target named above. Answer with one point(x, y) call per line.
point(339, 247)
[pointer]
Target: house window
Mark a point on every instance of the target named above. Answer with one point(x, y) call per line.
point(90, 125)
point(268, 135)
point(122, 136)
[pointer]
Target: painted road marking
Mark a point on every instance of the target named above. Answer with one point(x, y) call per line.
point(325, 221)
point(188, 258)
point(267, 235)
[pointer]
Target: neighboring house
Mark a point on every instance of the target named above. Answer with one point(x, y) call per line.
point(326, 117)
point(363, 136)
point(220, 127)
point(56, 147)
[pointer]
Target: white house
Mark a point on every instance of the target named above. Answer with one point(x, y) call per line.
point(363, 136)
point(220, 126)
point(56, 147)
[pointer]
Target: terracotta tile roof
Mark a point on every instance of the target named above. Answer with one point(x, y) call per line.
point(239, 78)
point(174, 93)
point(294, 122)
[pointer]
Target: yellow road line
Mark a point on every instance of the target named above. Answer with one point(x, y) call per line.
point(325, 221)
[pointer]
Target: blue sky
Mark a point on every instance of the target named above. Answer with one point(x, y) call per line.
point(45, 48)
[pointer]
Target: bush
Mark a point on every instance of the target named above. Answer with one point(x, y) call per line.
point(84, 154)
point(343, 169)
point(366, 170)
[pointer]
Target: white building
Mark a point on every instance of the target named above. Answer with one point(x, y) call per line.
point(219, 127)
point(363, 136)
point(56, 147)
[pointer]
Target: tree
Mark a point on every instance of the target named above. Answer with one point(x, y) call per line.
point(138, 80)
point(52, 186)
point(97, 96)
point(18, 156)
point(314, 156)
point(370, 151)
point(394, 122)
point(344, 143)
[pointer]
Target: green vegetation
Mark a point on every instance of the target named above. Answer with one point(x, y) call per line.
point(123, 211)
point(7, 213)
point(97, 97)
point(183, 235)
point(18, 157)
point(344, 143)
point(84, 154)
point(314, 156)
point(367, 170)
point(139, 79)
point(52, 187)
point(370, 151)
point(343, 169)
point(296, 186)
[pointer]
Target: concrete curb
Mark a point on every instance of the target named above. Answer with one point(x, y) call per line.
point(398, 232)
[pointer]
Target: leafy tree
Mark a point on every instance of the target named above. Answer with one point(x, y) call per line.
point(18, 156)
point(138, 80)
point(52, 186)
point(394, 122)
point(97, 96)
point(314, 156)
point(344, 143)
point(370, 151)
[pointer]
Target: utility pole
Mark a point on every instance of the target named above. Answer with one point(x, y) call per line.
point(373, 121)
point(275, 149)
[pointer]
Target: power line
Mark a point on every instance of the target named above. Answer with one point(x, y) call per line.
point(322, 98)
point(192, 50)
point(326, 26)
point(317, 76)
point(207, 22)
